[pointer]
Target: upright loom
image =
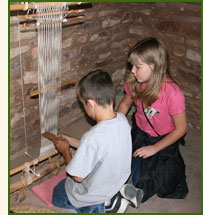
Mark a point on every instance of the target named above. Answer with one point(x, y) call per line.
point(48, 19)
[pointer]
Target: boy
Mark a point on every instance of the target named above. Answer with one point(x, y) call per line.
point(102, 162)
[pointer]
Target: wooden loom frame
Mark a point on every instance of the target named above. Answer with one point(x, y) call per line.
point(18, 185)
point(27, 6)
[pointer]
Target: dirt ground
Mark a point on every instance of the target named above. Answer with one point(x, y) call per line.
point(191, 204)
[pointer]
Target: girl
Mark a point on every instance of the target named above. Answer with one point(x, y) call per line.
point(159, 124)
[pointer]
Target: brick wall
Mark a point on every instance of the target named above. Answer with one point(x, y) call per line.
point(103, 41)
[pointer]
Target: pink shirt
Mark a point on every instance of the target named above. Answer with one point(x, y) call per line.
point(171, 101)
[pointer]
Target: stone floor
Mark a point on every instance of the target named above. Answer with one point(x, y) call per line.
point(192, 157)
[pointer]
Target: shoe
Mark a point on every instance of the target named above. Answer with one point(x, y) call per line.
point(132, 194)
point(118, 204)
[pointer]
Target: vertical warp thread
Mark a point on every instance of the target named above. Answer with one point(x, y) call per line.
point(49, 69)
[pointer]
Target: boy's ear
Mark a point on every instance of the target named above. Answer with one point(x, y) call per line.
point(91, 102)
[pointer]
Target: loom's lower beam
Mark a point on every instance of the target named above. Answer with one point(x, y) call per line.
point(43, 172)
point(31, 163)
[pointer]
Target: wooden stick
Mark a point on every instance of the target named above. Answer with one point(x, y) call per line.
point(50, 136)
point(33, 6)
point(37, 92)
point(44, 23)
point(54, 13)
point(31, 163)
point(63, 20)
point(21, 6)
point(43, 171)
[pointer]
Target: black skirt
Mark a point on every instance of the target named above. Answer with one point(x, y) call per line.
point(163, 173)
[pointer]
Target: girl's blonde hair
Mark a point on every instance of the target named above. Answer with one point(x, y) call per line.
point(152, 52)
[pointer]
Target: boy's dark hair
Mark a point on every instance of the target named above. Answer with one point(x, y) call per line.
point(97, 85)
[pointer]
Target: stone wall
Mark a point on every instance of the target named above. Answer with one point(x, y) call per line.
point(103, 42)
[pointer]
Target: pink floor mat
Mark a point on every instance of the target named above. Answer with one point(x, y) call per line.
point(44, 190)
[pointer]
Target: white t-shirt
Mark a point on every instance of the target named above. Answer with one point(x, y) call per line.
point(103, 159)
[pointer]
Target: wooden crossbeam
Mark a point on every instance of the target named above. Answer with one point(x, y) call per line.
point(67, 20)
point(65, 83)
point(14, 7)
point(54, 13)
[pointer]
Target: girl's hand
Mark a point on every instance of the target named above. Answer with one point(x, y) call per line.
point(145, 152)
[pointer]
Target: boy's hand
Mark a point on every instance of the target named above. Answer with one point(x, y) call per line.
point(73, 142)
point(145, 152)
point(64, 136)
point(62, 145)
